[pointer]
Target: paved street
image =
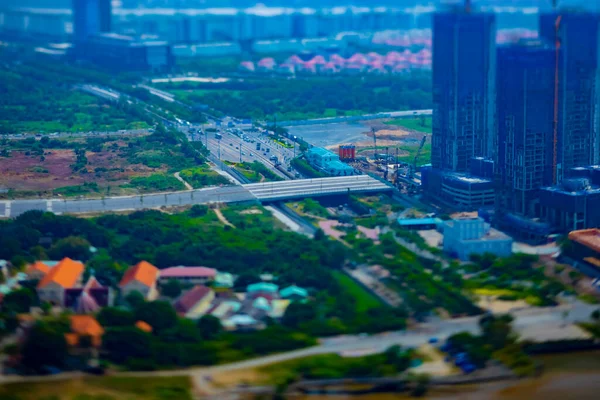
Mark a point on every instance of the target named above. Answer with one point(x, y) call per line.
point(225, 194)
point(549, 320)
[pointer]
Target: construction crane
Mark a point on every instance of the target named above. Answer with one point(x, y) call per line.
point(413, 168)
point(556, 89)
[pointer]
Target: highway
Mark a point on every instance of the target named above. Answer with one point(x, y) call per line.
point(226, 194)
point(273, 191)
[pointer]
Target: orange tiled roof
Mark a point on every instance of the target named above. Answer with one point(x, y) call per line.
point(143, 326)
point(72, 339)
point(143, 272)
point(65, 273)
point(38, 266)
point(86, 325)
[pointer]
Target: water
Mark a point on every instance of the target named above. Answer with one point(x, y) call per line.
point(567, 376)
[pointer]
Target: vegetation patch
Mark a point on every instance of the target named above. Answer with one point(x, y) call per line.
point(419, 124)
point(257, 172)
point(203, 176)
point(365, 300)
point(156, 183)
point(101, 388)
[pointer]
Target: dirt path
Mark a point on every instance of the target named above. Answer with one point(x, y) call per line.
point(222, 218)
point(187, 185)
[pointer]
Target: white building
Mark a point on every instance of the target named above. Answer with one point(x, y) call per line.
point(466, 236)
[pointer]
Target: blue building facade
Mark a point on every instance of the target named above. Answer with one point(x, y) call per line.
point(328, 162)
point(90, 17)
point(466, 236)
point(525, 99)
point(578, 130)
point(464, 76)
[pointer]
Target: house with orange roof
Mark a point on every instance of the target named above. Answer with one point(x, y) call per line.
point(143, 326)
point(37, 270)
point(66, 274)
point(142, 278)
point(84, 326)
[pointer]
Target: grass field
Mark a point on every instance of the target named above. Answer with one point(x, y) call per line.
point(364, 300)
point(103, 388)
point(414, 124)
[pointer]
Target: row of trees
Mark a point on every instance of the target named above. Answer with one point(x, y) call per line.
point(302, 98)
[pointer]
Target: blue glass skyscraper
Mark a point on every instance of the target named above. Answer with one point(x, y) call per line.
point(90, 17)
point(464, 77)
point(525, 99)
point(578, 118)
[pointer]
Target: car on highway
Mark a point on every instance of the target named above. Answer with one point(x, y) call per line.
point(231, 144)
point(251, 155)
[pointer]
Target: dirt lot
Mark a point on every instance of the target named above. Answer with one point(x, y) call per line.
point(21, 172)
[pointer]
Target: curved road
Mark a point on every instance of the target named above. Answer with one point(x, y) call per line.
point(533, 324)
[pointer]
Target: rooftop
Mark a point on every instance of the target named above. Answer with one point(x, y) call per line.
point(587, 237)
point(186, 302)
point(191, 272)
point(143, 272)
point(419, 221)
point(320, 151)
point(263, 287)
point(66, 273)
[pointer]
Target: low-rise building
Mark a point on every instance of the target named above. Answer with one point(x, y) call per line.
point(37, 270)
point(183, 274)
point(66, 274)
point(584, 246)
point(142, 278)
point(466, 236)
point(328, 162)
point(84, 326)
point(294, 293)
point(195, 303)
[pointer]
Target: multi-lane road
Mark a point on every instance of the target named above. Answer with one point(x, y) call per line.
point(226, 194)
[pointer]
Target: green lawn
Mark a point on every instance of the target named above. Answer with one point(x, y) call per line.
point(101, 388)
point(364, 300)
point(412, 123)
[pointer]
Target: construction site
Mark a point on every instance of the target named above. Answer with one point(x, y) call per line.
point(392, 154)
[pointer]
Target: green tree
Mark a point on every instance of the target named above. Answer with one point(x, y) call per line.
point(122, 343)
point(135, 299)
point(113, 316)
point(596, 315)
point(298, 313)
point(159, 314)
point(43, 347)
point(172, 288)
point(74, 247)
point(210, 327)
point(19, 301)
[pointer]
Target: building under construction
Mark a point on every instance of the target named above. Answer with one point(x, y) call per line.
point(577, 131)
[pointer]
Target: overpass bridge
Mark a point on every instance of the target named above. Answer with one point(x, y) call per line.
point(302, 188)
point(261, 192)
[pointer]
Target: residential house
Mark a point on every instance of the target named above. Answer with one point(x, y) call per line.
point(195, 275)
point(143, 326)
point(37, 270)
point(294, 293)
point(195, 303)
point(66, 274)
point(224, 280)
point(142, 278)
point(89, 298)
point(262, 287)
point(84, 326)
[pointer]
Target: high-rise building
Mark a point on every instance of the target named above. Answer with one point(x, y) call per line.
point(464, 77)
point(576, 138)
point(90, 17)
point(525, 98)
